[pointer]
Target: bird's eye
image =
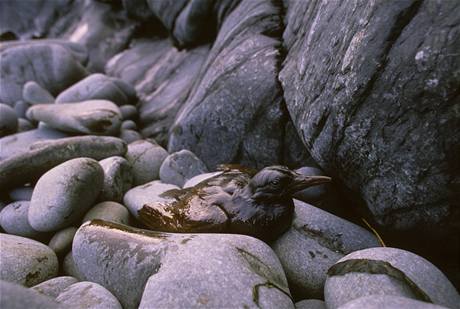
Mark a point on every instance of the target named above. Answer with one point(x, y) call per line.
point(275, 182)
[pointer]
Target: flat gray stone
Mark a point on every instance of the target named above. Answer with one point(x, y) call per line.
point(53, 287)
point(316, 240)
point(310, 304)
point(199, 178)
point(118, 178)
point(21, 193)
point(28, 166)
point(388, 302)
point(387, 271)
point(18, 143)
point(13, 219)
point(33, 93)
point(88, 295)
point(14, 296)
point(63, 194)
point(97, 117)
point(108, 211)
point(180, 270)
point(146, 158)
point(25, 261)
point(61, 242)
point(8, 120)
point(181, 166)
point(98, 87)
point(138, 196)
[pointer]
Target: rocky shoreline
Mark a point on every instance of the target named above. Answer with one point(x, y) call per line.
point(107, 106)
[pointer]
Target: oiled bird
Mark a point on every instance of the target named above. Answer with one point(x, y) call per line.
point(232, 202)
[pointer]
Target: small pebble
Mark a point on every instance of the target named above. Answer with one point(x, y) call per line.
point(108, 211)
point(128, 112)
point(130, 136)
point(33, 93)
point(181, 166)
point(61, 242)
point(88, 295)
point(118, 178)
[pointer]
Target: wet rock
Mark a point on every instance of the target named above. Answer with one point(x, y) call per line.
point(315, 242)
point(21, 194)
point(15, 296)
point(130, 136)
point(388, 302)
point(53, 287)
point(373, 100)
point(63, 194)
point(98, 87)
point(88, 295)
point(388, 271)
point(315, 193)
point(69, 268)
point(33, 93)
point(25, 261)
point(20, 142)
point(199, 178)
point(128, 125)
point(145, 157)
point(310, 304)
point(226, 270)
point(108, 211)
point(61, 242)
point(13, 220)
point(234, 111)
point(8, 120)
point(128, 112)
point(181, 166)
point(23, 126)
point(162, 76)
point(98, 117)
point(138, 196)
point(118, 178)
point(29, 166)
point(57, 66)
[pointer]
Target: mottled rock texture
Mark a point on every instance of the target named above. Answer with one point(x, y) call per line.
point(372, 87)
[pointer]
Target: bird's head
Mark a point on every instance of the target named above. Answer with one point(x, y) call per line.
point(279, 183)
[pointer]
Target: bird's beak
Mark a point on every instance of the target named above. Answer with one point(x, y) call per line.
point(302, 182)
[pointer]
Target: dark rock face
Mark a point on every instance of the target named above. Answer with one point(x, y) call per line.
point(373, 90)
point(234, 111)
point(162, 76)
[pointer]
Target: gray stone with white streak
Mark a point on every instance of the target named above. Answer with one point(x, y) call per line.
point(118, 178)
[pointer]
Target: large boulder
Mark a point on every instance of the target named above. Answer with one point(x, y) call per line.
point(373, 91)
point(234, 111)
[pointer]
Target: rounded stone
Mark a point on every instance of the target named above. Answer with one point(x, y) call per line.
point(8, 120)
point(21, 193)
point(146, 158)
point(33, 93)
point(118, 178)
point(387, 271)
point(199, 178)
point(61, 242)
point(130, 136)
point(63, 194)
point(138, 196)
point(14, 296)
point(315, 241)
point(128, 125)
point(388, 302)
point(21, 107)
point(24, 125)
point(53, 287)
point(25, 261)
point(69, 268)
point(88, 295)
point(128, 112)
point(97, 117)
point(13, 219)
point(108, 211)
point(181, 166)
